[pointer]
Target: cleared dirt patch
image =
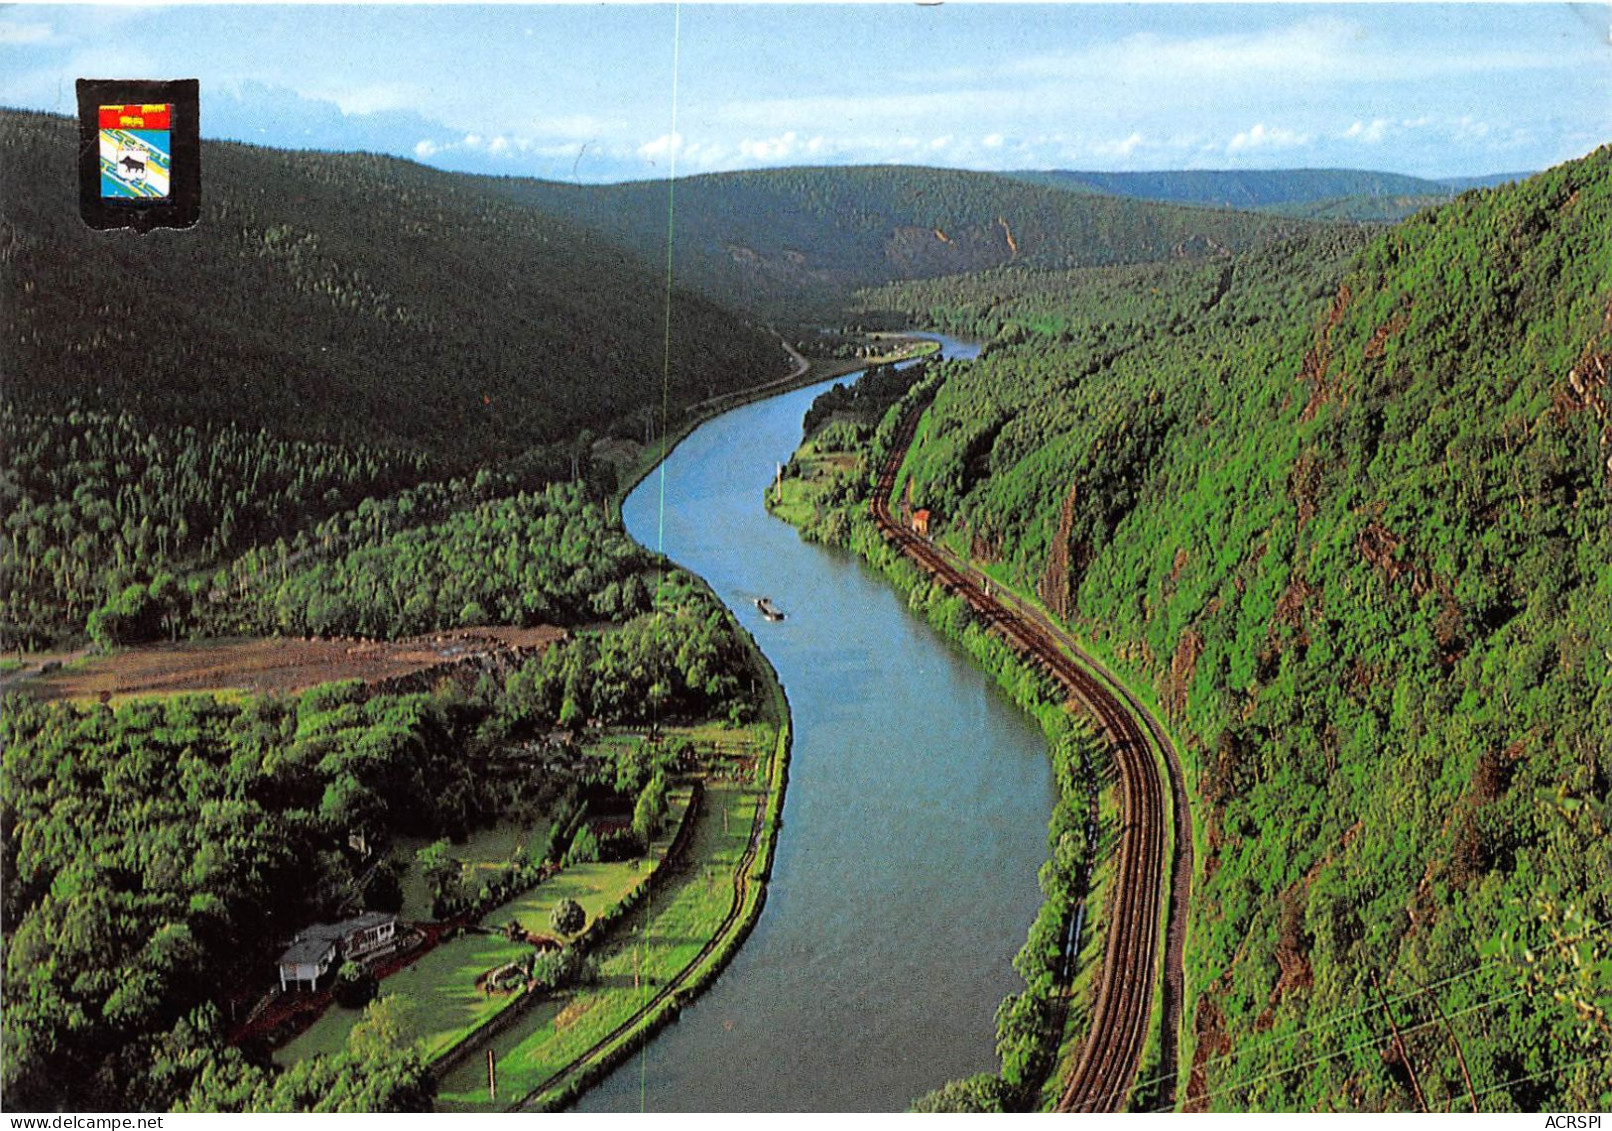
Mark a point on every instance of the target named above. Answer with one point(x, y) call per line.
point(282, 665)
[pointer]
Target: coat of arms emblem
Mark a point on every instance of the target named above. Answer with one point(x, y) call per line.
point(136, 153)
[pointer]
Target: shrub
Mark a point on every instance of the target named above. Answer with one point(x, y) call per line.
point(356, 987)
point(568, 917)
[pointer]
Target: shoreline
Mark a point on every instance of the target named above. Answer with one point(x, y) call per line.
point(1161, 1027)
point(807, 372)
point(751, 877)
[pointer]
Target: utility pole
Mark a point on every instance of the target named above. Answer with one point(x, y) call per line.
point(492, 1078)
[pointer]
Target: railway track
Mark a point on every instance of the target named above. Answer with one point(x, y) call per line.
point(1105, 1066)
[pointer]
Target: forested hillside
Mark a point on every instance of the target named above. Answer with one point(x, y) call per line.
point(1371, 209)
point(1347, 515)
point(359, 397)
point(1352, 195)
point(342, 297)
point(794, 241)
point(336, 328)
point(93, 501)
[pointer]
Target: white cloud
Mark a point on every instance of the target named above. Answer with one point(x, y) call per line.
point(661, 148)
point(1121, 148)
point(688, 156)
point(21, 34)
point(367, 98)
point(778, 148)
point(499, 145)
point(425, 149)
point(1368, 134)
point(1260, 136)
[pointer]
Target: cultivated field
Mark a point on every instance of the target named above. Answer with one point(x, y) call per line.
point(276, 665)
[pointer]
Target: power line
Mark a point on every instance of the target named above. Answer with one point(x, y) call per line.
point(1460, 1053)
point(665, 433)
point(1399, 1043)
point(671, 216)
point(1332, 1021)
point(1362, 1046)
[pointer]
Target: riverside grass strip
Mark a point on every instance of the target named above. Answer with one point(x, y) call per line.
point(445, 1008)
point(658, 957)
point(749, 887)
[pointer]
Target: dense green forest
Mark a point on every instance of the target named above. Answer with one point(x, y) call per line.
point(1340, 504)
point(795, 242)
point(1360, 209)
point(1346, 514)
point(96, 503)
point(360, 397)
point(1246, 189)
point(337, 328)
point(550, 557)
point(158, 855)
point(155, 853)
point(1340, 195)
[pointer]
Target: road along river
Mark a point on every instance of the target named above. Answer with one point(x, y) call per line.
point(914, 822)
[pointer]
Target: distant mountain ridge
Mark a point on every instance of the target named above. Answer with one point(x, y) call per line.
point(1317, 194)
point(1238, 188)
point(1490, 180)
point(791, 240)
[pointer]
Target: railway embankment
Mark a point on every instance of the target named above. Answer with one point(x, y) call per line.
point(1146, 908)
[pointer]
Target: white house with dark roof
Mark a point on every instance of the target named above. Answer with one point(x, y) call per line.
point(319, 947)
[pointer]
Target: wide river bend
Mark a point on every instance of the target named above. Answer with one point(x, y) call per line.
point(914, 823)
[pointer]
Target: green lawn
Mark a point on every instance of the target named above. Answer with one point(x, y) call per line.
point(443, 1004)
point(484, 851)
point(796, 499)
point(652, 945)
point(682, 915)
point(597, 887)
point(440, 989)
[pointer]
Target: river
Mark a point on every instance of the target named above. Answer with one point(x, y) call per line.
point(913, 826)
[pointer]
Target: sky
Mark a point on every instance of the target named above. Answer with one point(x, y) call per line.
point(609, 92)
